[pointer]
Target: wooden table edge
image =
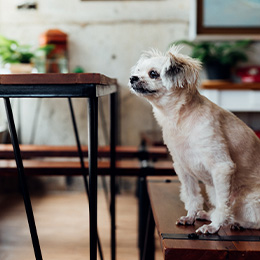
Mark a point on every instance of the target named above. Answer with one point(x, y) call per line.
point(56, 78)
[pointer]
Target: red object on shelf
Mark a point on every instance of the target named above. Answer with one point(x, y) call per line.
point(257, 133)
point(249, 74)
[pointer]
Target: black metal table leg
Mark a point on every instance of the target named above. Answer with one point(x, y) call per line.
point(113, 137)
point(22, 180)
point(146, 223)
point(92, 144)
point(81, 157)
point(149, 247)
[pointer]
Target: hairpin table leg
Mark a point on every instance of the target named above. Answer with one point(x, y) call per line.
point(92, 144)
point(113, 137)
point(22, 180)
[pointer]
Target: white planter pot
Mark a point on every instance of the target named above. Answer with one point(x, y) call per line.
point(18, 68)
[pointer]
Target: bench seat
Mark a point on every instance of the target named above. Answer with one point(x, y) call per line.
point(167, 208)
point(31, 151)
point(62, 167)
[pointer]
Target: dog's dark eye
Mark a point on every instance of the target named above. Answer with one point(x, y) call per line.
point(153, 74)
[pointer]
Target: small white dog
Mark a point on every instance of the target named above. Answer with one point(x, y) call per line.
point(207, 143)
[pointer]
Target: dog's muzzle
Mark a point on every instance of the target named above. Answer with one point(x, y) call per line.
point(139, 86)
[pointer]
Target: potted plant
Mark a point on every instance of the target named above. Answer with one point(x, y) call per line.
point(19, 57)
point(219, 58)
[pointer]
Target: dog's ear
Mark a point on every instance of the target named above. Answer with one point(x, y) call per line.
point(170, 72)
point(180, 71)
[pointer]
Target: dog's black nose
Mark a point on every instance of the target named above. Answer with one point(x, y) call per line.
point(133, 79)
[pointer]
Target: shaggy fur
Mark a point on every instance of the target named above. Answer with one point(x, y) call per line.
point(207, 143)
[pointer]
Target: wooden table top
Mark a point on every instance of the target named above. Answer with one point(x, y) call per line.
point(228, 85)
point(55, 78)
point(56, 85)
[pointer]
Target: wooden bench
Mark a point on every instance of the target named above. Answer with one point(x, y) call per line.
point(175, 242)
point(73, 168)
point(57, 160)
point(32, 151)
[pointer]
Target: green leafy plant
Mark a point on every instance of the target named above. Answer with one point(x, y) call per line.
point(12, 52)
point(218, 58)
point(225, 53)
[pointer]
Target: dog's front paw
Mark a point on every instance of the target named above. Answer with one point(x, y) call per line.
point(203, 215)
point(208, 229)
point(185, 220)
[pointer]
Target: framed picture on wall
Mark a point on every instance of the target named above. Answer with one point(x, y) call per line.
point(225, 19)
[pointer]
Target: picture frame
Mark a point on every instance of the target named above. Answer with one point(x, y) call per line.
point(220, 20)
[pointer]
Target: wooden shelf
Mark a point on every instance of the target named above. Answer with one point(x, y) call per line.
point(228, 85)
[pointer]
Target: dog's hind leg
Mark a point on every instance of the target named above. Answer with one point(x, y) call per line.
point(247, 211)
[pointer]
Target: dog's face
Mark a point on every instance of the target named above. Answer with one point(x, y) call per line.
point(156, 74)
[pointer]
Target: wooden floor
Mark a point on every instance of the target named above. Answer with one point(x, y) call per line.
point(62, 223)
